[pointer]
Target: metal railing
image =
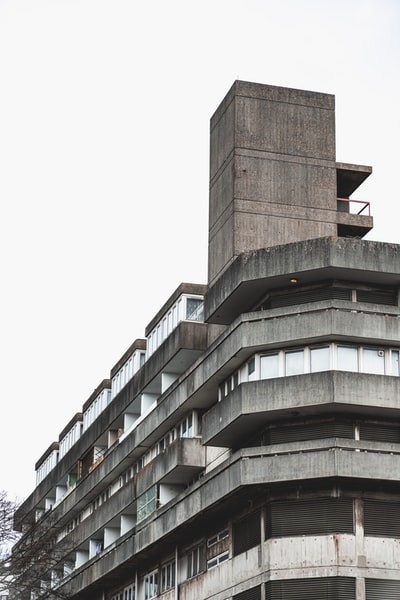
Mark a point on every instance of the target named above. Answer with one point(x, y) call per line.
point(348, 206)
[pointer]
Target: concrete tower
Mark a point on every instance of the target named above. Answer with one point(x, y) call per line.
point(273, 173)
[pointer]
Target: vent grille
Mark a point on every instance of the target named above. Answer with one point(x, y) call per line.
point(377, 296)
point(380, 433)
point(381, 518)
point(246, 533)
point(310, 517)
point(379, 589)
point(316, 295)
point(252, 594)
point(318, 588)
point(311, 431)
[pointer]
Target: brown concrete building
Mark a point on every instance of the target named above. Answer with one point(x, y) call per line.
point(248, 447)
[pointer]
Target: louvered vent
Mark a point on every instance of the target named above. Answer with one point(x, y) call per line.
point(377, 432)
point(377, 296)
point(316, 588)
point(311, 431)
point(315, 295)
point(381, 518)
point(246, 533)
point(382, 589)
point(251, 594)
point(310, 517)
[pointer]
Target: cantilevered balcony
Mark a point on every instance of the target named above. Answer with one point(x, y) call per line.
point(353, 217)
point(177, 465)
point(256, 404)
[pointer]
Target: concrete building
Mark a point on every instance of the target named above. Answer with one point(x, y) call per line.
point(248, 447)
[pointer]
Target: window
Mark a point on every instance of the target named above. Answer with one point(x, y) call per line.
point(373, 361)
point(251, 368)
point(151, 585)
point(395, 363)
point(147, 503)
point(269, 366)
point(294, 362)
point(218, 537)
point(319, 359)
point(168, 576)
point(217, 560)
point(194, 309)
point(129, 592)
point(347, 359)
point(195, 561)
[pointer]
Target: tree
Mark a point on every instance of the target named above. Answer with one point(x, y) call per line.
point(7, 534)
point(29, 562)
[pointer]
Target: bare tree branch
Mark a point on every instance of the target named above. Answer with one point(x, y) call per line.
point(31, 564)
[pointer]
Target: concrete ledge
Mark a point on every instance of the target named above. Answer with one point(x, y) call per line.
point(253, 274)
point(253, 405)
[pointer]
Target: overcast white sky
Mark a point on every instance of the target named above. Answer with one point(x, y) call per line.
point(104, 149)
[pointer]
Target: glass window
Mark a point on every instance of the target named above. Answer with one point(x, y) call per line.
point(194, 309)
point(147, 503)
point(221, 535)
point(195, 561)
point(151, 585)
point(190, 426)
point(168, 576)
point(251, 368)
point(236, 379)
point(214, 562)
point(269, 366)
point(294, 362)
point(373, 361)
point(319, 359)
point(347, 358)
point(395, 362)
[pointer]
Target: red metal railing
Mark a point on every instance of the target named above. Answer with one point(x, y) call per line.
point(365, 205)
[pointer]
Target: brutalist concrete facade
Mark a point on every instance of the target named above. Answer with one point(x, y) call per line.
point(247, 448)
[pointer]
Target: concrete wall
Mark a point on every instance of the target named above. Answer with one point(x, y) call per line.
point(272, 170)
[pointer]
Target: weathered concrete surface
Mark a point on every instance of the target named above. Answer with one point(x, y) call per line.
point(255, 273)
point(255, 404)
point(273, 173)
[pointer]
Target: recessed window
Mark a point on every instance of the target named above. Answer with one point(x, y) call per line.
point(151, 585)
point(217, 560)
point(221, 535)
point(195, 561)
point(168, 576)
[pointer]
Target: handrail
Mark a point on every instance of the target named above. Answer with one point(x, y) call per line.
point(364, 202)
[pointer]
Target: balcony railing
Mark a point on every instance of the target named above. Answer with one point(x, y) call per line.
point(347, 205)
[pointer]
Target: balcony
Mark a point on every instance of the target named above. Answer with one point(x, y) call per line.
point(353, 217)
point(177, 465)
point(256, 404)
